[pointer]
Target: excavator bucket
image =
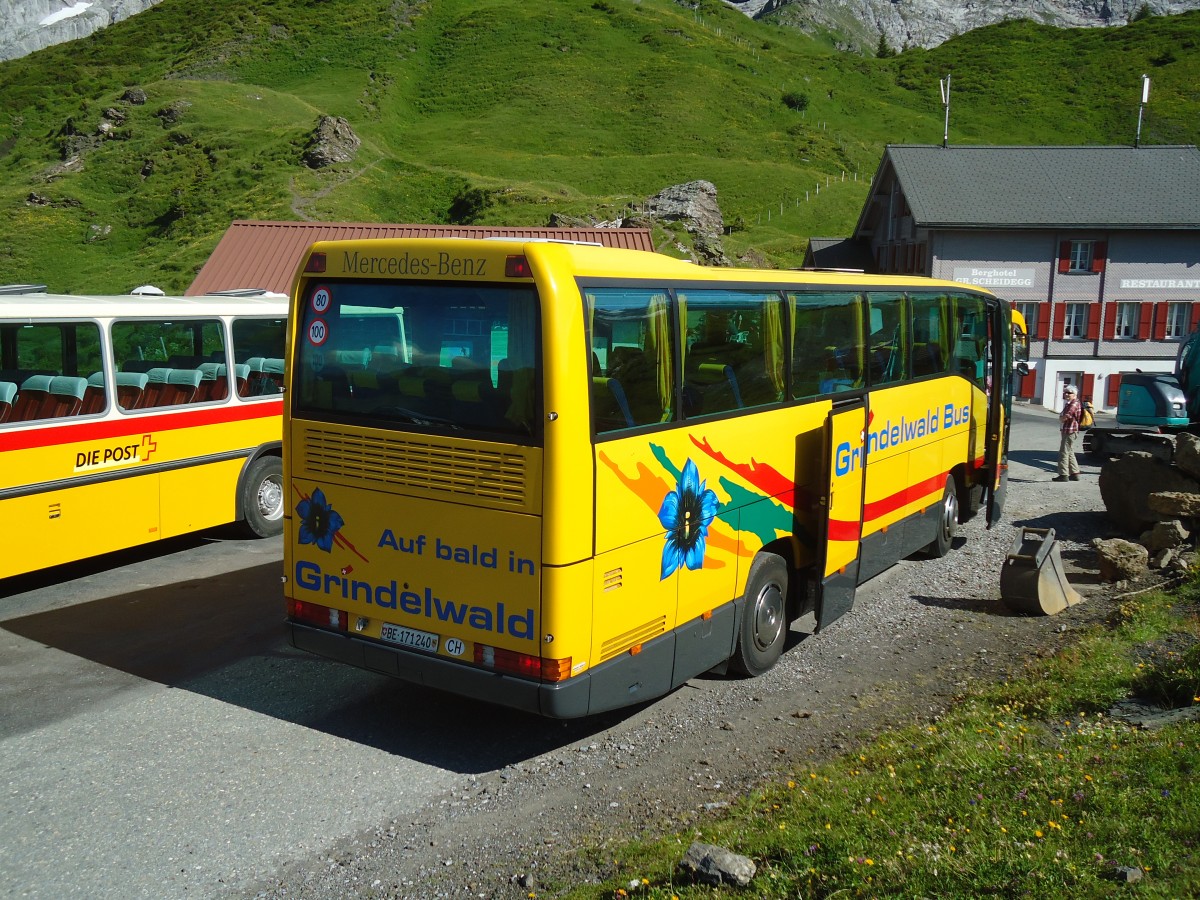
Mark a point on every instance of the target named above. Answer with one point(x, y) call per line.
point(1032, 580)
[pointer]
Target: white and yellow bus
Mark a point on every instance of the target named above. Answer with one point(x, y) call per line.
point(126, 419)
point(568, 478)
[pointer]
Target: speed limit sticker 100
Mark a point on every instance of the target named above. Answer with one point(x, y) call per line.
point(318, 332)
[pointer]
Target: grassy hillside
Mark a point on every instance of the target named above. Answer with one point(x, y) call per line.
point(583, 107)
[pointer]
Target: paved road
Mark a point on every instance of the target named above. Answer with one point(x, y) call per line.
point(159, 739)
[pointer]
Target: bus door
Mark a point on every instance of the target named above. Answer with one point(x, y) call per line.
point(999, 401)
point(841, 524)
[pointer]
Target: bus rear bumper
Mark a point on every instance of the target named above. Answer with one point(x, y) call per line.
point(567, 700)
point(662, 665)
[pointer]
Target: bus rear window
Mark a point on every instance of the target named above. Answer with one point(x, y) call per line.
point(430, 356)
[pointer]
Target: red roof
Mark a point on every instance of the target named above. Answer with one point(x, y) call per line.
point(265, 254)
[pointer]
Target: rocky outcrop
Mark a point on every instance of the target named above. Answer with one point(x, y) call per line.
point(694, 207)
point(332, 141)
point(30, 25)
point(927, 23)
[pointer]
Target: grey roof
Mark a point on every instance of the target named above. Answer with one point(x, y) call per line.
point(1022, 187)
point(838, 253)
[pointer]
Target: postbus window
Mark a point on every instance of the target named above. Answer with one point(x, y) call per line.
point(164, 363)
point(48, 370)
point(933, 334)
point(733, 356)
point(632, 358)
point(887, 339)
point(258, 350)
point(828, 355)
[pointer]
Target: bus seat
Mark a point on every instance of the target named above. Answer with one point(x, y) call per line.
point(410, 385)
point(714, 372)
point(8, 393)
point(156, 386)
point(96, 395)
point(65, 397)
point(34, 392)
point(609, 404)
point(130, 389)
point(241, 378)
point(214, 382)
point(182, 386)
point(927, 359)
point(272, 376)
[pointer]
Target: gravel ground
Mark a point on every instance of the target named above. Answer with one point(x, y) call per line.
point(917, 636)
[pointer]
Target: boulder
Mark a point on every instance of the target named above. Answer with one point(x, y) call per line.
point(1121, 560)
point(171, 113)
point(1127, 482)
point(332, 141)
point(694, 206)
point(1183, 504)
point(715, 866)
point(1164, 535)
point(1187, 454)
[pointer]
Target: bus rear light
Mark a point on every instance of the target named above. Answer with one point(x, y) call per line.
point(516, 267)
point(316, 263)
point(522, 663)
point(315, 614)
point(635, 649)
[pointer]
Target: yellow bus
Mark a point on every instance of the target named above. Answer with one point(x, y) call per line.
point(126, 419)
point(568, 478)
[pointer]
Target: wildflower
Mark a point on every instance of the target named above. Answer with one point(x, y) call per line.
point(1037, 833)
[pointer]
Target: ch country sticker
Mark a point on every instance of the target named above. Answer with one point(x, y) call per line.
point(108, 455)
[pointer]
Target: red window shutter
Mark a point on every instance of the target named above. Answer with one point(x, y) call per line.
point(1064, 256)
point(1114, 389)
point(1060, 320)
point(1093, 331)
point(1043, 322)
point(1144, 316)
point(1110, 322)
point(1099, 255)
point(1089, 384)
point(1195, 314)
point(1027, 386)
point(1160, 321)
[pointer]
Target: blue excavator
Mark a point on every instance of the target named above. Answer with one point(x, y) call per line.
point(1153, 407)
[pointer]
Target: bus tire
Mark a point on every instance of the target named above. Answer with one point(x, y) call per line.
point(947, 522)
point(262, 497)
point(764, 624)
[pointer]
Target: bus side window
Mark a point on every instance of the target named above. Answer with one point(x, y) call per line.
point(637, 387)
point(888, 343)
point(828, 356)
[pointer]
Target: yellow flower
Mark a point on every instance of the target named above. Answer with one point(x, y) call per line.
point(1037, 833)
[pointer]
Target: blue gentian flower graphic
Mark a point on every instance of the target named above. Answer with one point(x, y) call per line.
point(319, 523)
point(686, 513)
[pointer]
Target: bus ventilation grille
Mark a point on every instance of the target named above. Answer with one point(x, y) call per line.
point(622, 642)
point(491, 475)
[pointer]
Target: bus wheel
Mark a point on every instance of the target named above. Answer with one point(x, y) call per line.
point(947, 525)
point(764, 623)
point(262, 497)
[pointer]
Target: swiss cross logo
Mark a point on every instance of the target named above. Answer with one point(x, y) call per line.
point(148, 447)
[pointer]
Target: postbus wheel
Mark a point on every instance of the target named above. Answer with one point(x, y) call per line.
point(262, 497)
point(947, 524)
point(764, 624)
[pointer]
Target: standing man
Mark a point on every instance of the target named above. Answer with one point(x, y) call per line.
point(1072, 412)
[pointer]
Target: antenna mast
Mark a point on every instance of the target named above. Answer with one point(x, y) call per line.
point(944, 84)
point(1137, 141)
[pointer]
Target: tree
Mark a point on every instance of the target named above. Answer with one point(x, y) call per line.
point(884, 49)
point(1144, 13)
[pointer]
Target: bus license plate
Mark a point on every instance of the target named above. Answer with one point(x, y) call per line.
point(409, 637)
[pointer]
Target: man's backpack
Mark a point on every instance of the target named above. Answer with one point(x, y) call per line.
point(1086, 419)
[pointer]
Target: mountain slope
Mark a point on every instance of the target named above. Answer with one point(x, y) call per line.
point(585, 111)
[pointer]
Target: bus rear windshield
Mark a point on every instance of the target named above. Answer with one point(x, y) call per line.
point(431, 356)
